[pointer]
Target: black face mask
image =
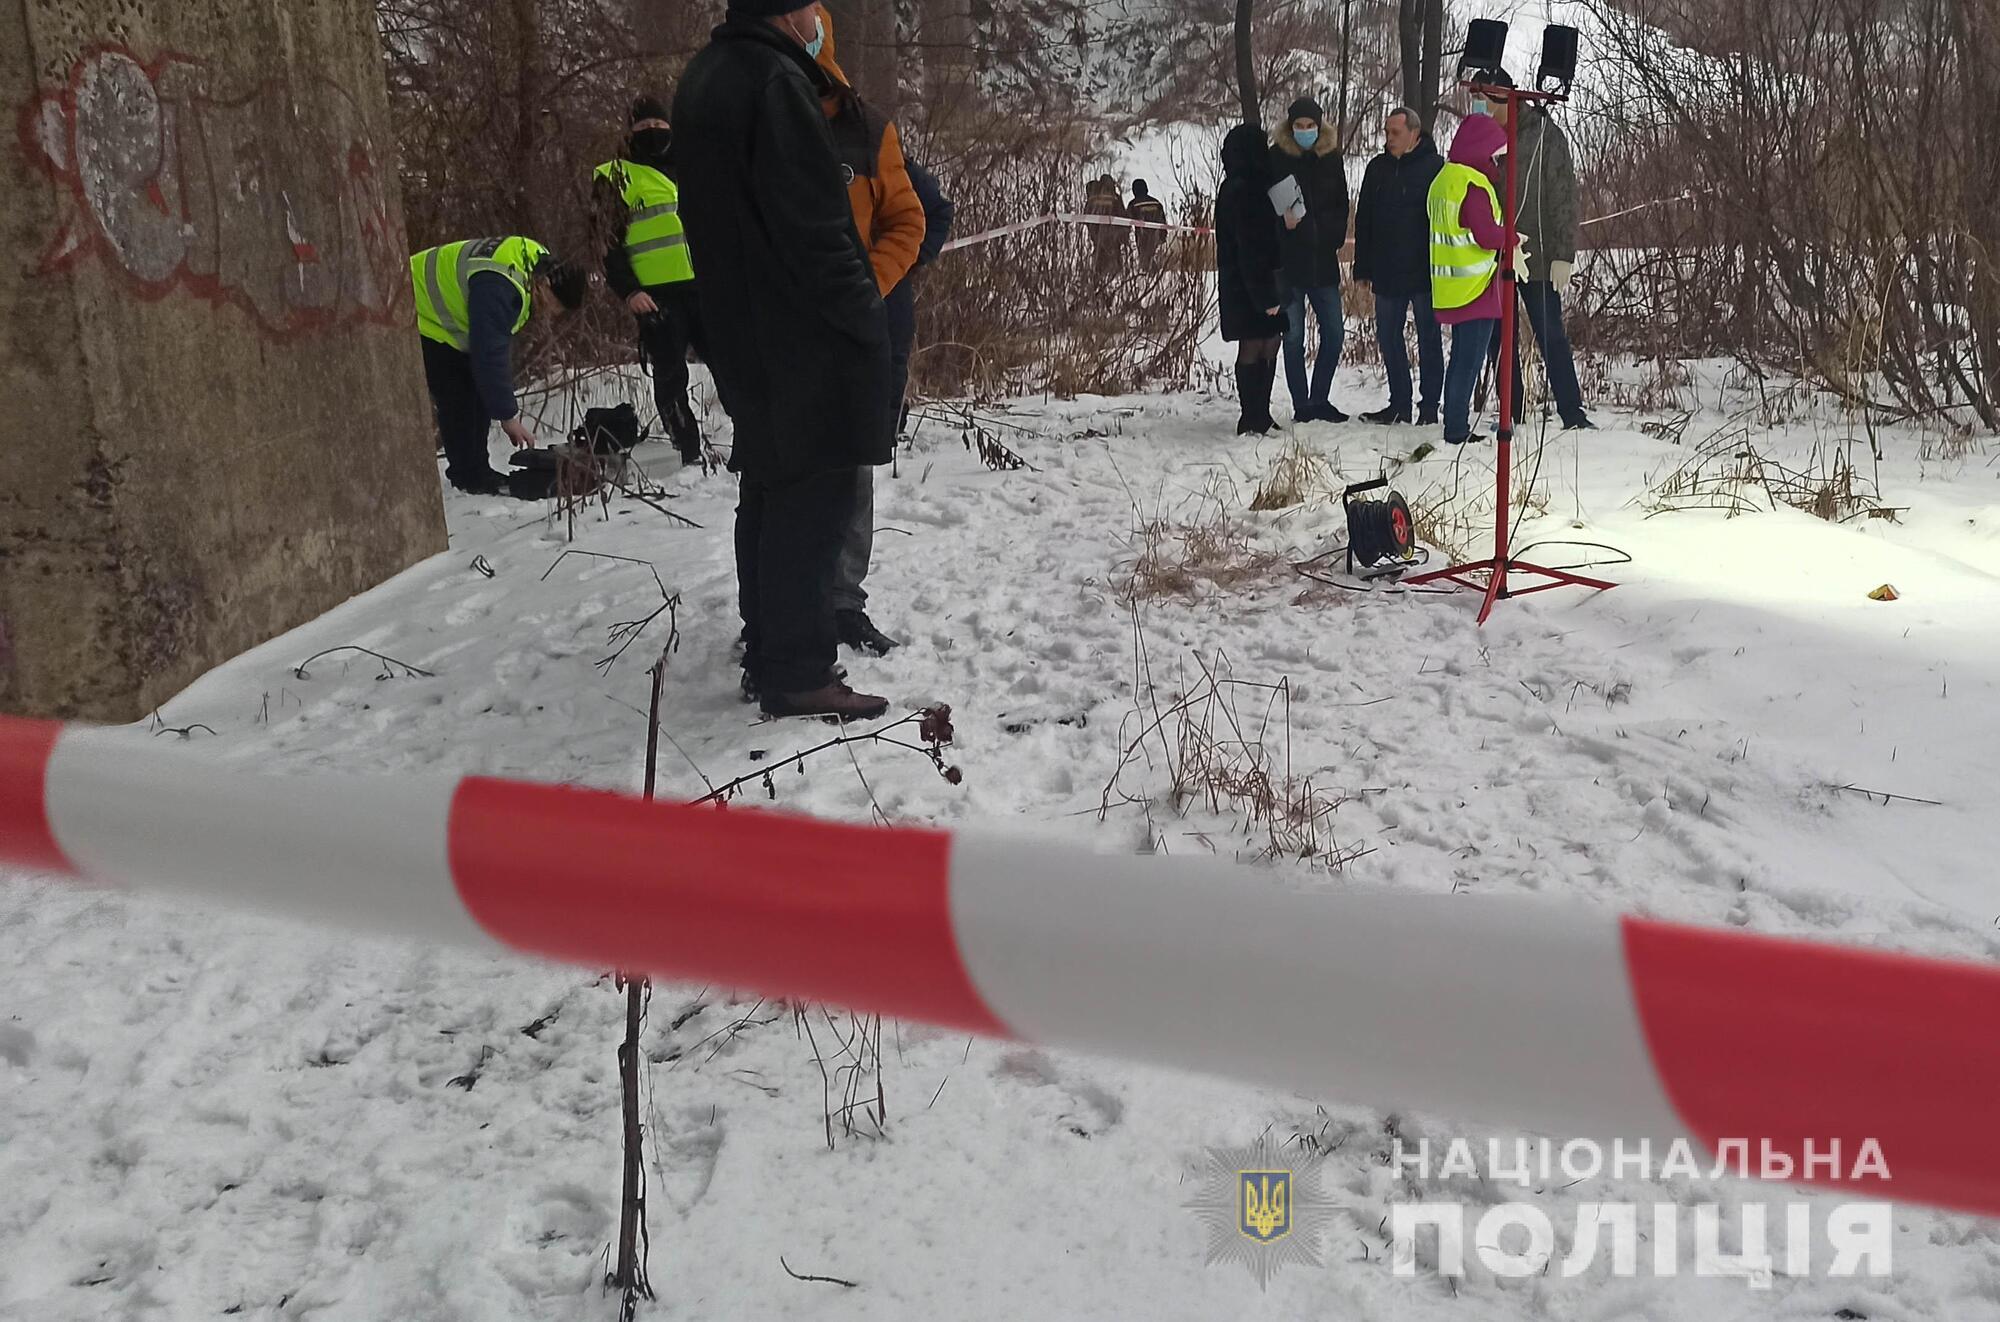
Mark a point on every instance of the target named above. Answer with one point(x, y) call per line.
point(652, 146)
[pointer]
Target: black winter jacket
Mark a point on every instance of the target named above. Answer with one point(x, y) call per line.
point(939, 211)
point(1312, 251)
point(794, 327)
point(1246, 239)
point(1392, 224)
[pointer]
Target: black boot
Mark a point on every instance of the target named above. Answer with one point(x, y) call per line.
point(1388, 417)
point(1253, 387)
point(856, 630)
point(1246, 390)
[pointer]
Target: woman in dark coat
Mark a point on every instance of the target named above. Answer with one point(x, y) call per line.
point(1246, 264)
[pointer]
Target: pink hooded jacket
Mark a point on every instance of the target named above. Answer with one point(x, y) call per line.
point(1479, 137)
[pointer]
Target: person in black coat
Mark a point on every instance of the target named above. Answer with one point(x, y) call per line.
point(1392, 253)
point(795, 333)
point(1246, 265)
point(1311, 243)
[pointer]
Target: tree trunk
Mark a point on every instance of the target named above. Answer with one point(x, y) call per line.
point(1346, 64)
point(1410, 43)
point(1426, 104)
point(527, 111)
point(865, 40)
point(1246, 64)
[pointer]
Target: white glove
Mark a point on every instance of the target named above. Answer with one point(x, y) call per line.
point(1560, 275)
point(1521, 258)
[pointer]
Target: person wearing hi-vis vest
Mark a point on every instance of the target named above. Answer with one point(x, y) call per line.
point(1468, 232)
point(646, 263)
point(473, 298)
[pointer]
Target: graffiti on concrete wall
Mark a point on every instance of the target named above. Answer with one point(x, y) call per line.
point(272, 201)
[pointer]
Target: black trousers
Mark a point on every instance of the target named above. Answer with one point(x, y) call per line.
point(788, 536)
point(462, 420)
point(664, 337)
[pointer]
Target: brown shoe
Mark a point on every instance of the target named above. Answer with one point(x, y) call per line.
point(836, 701)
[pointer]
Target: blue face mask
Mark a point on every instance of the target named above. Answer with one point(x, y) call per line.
point(818, 43)
point(1479, 106)
point(1305, 138)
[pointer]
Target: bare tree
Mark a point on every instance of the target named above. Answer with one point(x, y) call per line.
point(1803, 232)
point(1420, 30)
point(1246, 63)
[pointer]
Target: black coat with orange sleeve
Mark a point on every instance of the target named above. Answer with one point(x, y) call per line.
point(793, 323)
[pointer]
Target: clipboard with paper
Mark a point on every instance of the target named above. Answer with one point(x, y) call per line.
point(1287, 196)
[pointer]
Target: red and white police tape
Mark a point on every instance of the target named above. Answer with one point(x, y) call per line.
point(1069, 218)
point(1560, 1020)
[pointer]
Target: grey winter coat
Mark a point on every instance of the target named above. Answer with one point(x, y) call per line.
point(1545, 195)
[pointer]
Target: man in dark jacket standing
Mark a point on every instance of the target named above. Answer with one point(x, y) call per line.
point(1392, 254)
point(795, 333)
point(1311, 246)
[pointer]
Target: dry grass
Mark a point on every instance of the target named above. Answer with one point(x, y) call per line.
point(1727, 472)
point(1299, 474)
point(1198, 550)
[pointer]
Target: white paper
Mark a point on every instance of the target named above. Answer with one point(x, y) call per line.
point(1286, 195)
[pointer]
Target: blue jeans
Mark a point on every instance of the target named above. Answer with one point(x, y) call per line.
point(1543, 303)
point(1325, 302)
point(1468, 358)
point(1390, 313)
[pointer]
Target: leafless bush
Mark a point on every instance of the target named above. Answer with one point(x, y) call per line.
point(1063, 308)
point(1221, 759)
point(1838, 160)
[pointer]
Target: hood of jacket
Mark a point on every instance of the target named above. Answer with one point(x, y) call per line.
point(826, 58)
point(1289, 145)
point(1478, 140)
point(1244, 155)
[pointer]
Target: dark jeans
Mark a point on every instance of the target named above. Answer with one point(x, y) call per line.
point(1468, 358)
point(462, 421)
point(1542, 302)
point(664, 337)
point(857, 546)
point(787, 538)
point(1391, 310)
point(1325, 302)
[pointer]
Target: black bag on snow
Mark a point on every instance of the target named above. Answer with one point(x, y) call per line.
point(609, 431)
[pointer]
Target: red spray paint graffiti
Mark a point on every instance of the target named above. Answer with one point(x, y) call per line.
point(271, 202)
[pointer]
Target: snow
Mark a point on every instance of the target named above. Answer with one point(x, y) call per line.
point(210, 1113)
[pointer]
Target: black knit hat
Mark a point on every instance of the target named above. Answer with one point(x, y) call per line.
point(767, 8)
point(648, 107)
point(1305, 108)
point(1138, 188)
point(570, 283)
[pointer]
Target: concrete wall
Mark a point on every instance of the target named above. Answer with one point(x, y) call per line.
point(213, 425)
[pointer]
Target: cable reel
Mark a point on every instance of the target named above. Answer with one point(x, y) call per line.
point(1381, 536)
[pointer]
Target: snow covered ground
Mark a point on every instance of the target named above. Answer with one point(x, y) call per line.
point(206, 1114)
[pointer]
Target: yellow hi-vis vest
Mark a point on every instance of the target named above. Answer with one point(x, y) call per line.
point(1460, 269)
point(655, 243)
point(443, 277)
